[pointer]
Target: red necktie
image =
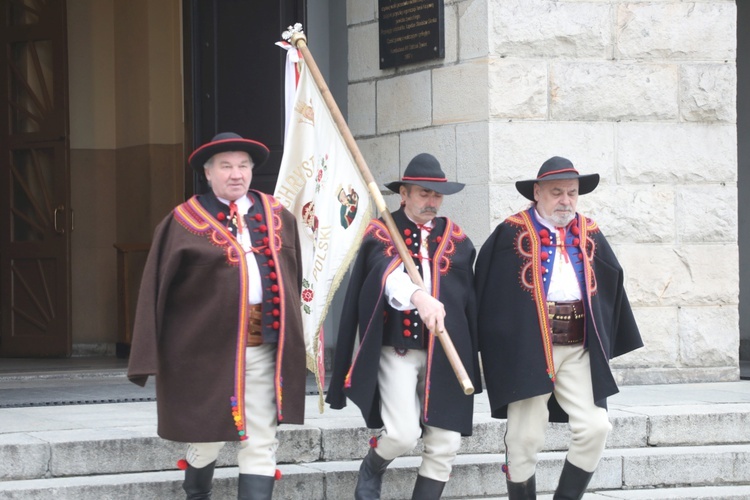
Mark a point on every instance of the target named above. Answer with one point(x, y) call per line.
point(425, 254)
point(234, 216)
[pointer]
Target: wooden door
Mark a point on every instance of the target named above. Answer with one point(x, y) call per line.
point(35, 215)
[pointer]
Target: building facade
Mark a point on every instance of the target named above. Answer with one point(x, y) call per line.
point(643, 92)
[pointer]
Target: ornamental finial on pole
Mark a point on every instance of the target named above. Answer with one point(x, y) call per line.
point(294, 33)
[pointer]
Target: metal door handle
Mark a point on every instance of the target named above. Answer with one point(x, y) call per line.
point(58, 230)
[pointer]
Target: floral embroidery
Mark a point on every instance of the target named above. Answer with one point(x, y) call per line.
point(321, 173)
point(307, 295)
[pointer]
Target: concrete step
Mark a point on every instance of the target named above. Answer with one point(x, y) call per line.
point(693, 493)
point(668, 441)
point(93, 450)
point(721, 471)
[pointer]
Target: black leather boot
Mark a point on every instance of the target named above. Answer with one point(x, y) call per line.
point(427, 489)
point(522, 491)
point(573, 482)
point(370, 476)
point(255, 487)
point(197, 482)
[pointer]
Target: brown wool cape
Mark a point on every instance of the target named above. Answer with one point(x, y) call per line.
point(192, 301)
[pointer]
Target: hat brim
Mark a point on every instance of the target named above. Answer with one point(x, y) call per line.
point(586, 183)
point(439, 187)
point(257, 151)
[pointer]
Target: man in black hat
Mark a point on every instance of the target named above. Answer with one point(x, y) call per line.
point(218, 321)
point(400, 376)
point(552, 313)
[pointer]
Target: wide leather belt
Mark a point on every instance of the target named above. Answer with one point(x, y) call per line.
point(254, 326)
point(567, 320)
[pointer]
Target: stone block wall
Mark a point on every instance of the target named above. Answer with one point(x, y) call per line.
point(439, 106)
point(642, 92)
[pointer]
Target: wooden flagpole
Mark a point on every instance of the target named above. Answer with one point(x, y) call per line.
point(300, 42)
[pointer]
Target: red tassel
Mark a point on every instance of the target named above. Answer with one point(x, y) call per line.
point(182, 464)
point(373, 442)
point(277, 475)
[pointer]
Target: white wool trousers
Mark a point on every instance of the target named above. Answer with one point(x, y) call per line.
point(528, 418)
point(401, 380)
point(257, 454)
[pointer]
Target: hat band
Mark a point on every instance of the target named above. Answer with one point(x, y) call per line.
point(559, 172)
point(430, 179)
point(222, 141)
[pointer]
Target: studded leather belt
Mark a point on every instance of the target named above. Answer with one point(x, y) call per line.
point(567, 320)
point(254, 327)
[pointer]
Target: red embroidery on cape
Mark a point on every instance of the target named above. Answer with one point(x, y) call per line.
point(589, 248)
point(446, 248)
point(533, 269)
point(273, 209)
point(188, 216)
point(277, 223)
point(525, 251)
point(379, 232)
point(456, 236)
point(444, 264)
point(523, 248)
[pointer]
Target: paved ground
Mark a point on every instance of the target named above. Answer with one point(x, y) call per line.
point(117, 415)
point(89, 380)
point(74, 381)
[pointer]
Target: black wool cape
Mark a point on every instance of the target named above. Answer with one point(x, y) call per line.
point(513, 324)
point(365, 307)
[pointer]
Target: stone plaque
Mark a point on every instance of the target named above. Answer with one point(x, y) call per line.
point(410, 31)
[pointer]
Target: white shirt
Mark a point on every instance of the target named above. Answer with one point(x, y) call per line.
point(255, 286)
point(399, 287)
point(563, 284)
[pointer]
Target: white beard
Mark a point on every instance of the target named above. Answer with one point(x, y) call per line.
point(561, 220)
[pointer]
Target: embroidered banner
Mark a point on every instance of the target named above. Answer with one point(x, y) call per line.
point(319, 182)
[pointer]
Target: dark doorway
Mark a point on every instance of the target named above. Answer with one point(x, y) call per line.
point(234, 76)
point(35, 215)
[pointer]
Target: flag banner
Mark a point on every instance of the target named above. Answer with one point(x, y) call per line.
point(291, 78)
point(319, 182)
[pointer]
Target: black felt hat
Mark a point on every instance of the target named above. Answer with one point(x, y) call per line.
point(228, 141)
point(424, 171)
point(557, 168)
